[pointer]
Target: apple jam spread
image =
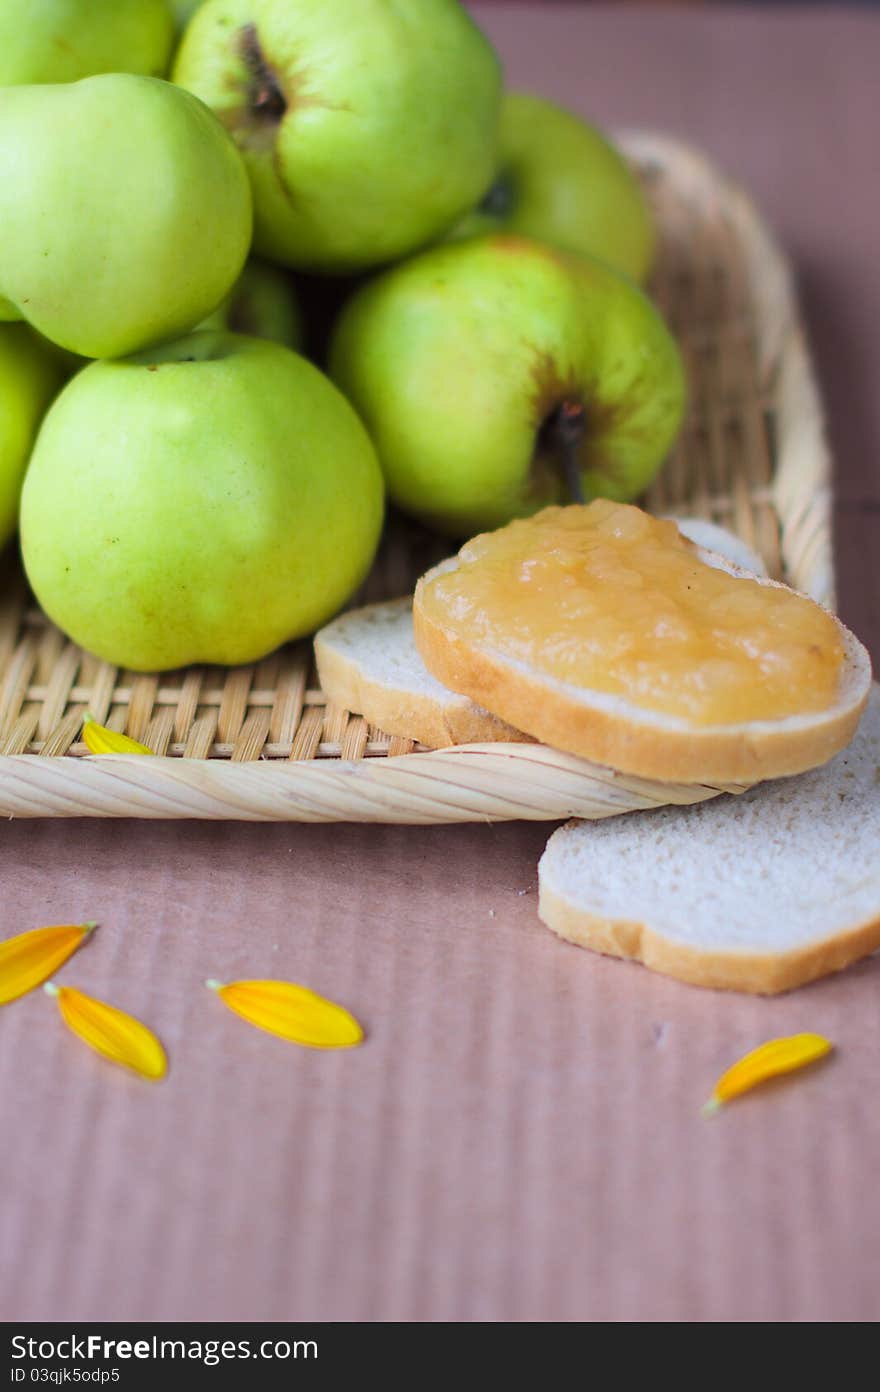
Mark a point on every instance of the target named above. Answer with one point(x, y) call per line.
point(605, 596)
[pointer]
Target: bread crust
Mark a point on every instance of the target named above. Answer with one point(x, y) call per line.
point(411, 715)
point(629, 739)
point(757, 973)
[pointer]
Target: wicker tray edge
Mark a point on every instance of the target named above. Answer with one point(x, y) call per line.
point(470, 783)
point(802, 491)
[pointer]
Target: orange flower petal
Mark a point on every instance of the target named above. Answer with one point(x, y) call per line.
point(292, 1012)
point(119, 1037)
point(100, 740)
point(31, 958)
point(771, 1060)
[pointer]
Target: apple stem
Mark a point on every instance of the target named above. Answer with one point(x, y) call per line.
point(265, 97)
point(565, 430)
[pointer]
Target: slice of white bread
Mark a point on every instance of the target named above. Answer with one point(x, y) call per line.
point(711, 537)
point(760, 892)
point(368, 662)
point(609, 729)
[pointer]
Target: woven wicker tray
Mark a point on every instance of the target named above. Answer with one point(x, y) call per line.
point(262, 743)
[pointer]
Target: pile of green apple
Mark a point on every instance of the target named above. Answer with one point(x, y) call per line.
point(187, 484)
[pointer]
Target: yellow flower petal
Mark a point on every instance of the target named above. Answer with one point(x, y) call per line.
point(771, 1060)
point(291, 1011)
point(31, 958)
point(119, 1037)
point(100, 740)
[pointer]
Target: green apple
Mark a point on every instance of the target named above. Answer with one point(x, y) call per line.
point(367, 128)
point(64, 40)
point(263, 303)
point(8, 311)
point(499, 375)
point(200, 502)
point(560, 181)
point(125, 211)
point(29, 378)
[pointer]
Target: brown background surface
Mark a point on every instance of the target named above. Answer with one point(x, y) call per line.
point(520, 1137)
